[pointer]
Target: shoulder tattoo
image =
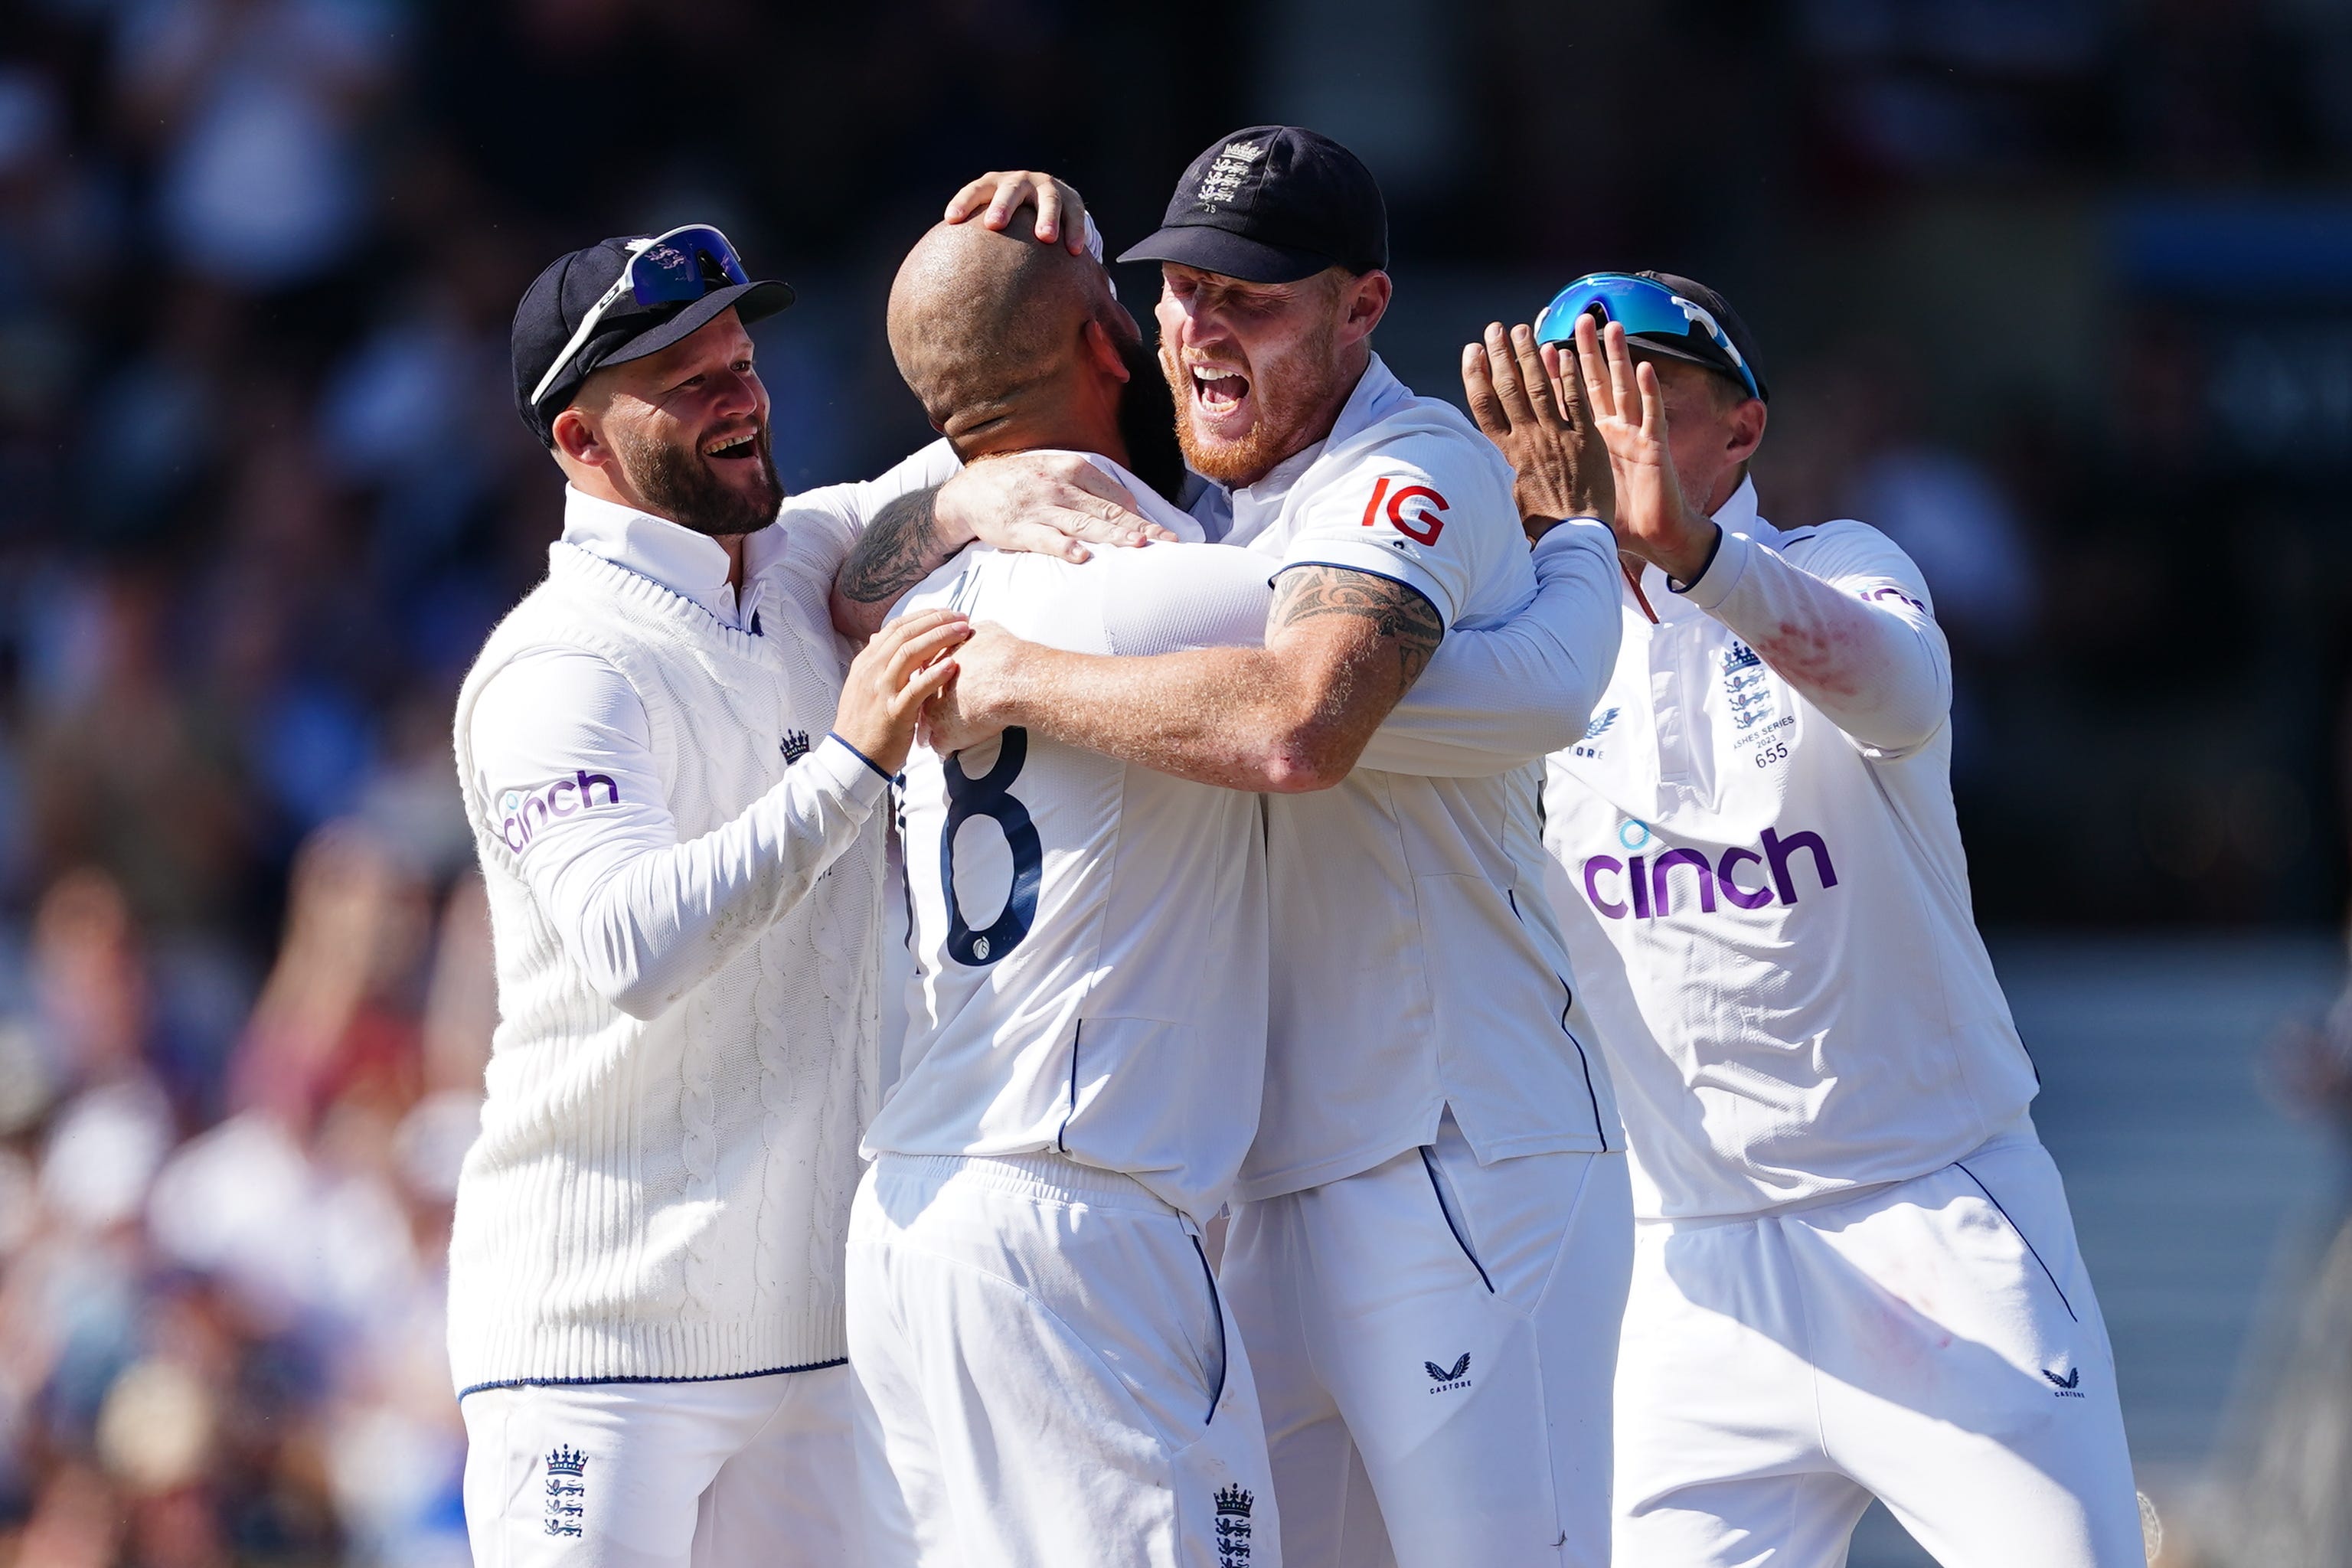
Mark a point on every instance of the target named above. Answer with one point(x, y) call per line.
point(1398, 615)
point(899, 549)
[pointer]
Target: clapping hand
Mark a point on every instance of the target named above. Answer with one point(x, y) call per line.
point(1655, 520)
point(1540, 421)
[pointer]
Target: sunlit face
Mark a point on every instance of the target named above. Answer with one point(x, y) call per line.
point(689, 428)
point(1255, 368)
point(1702, 430)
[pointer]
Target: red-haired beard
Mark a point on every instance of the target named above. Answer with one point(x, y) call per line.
point(1291, 392)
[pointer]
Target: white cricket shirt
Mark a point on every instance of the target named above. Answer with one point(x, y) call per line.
point(1089, 936)
point(1763, 887)
point(1416, 962)
point(565, 756)
point(684, 882)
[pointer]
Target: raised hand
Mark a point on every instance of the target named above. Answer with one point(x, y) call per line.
point(1654, 520)
point(996, 196)
point(1542, 426)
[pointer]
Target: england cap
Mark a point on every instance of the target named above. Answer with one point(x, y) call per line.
point(561, 297)
point(1272, 204)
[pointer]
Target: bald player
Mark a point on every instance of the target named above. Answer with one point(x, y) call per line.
point(1047, 1373)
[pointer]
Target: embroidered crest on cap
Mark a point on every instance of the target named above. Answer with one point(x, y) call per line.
point(1225, 176)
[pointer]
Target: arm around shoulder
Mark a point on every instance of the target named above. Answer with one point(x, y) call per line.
point(1341, 647)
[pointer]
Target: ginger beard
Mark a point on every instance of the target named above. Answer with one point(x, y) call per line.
point(692, 488)
point(1289, 389)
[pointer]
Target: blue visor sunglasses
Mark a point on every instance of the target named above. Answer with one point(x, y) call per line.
point(1644, 307)
point(673, 269)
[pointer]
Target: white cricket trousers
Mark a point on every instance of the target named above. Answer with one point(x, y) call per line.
point(1047, 1375)
point(1935, 1343)
point(752, 1472)
point(1434, 1342)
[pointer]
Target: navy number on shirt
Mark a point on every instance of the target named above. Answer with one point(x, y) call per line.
point(988, 795)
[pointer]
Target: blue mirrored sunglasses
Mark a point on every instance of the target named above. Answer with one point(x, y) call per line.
point(1644, 307)
point(676, 268)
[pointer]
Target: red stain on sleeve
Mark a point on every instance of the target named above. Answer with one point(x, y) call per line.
point(1826, 654)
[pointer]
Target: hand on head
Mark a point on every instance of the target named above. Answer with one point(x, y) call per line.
point(1011, 345)
point(996, 196)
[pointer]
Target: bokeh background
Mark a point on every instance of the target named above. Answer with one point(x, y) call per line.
point(2057, 292)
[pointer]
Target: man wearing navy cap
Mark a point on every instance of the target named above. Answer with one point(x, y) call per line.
point(1428, 1259)
point(672, 791)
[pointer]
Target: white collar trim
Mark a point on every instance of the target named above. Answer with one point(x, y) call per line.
point(690, 565)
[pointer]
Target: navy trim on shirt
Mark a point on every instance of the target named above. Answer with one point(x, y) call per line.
point(888, 778)
point(598, 1382)
point(1675, 585)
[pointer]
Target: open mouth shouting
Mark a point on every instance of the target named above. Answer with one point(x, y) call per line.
point(1219, 393)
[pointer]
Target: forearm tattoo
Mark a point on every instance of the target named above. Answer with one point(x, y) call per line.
point(1398, 614)
point(899, 549)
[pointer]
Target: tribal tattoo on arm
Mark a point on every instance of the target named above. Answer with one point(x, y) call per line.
point(1399, 617)
point(899, 549)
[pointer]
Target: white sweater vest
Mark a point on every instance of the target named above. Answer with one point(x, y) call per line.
point(666, 1199)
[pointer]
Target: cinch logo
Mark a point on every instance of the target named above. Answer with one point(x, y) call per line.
point(1644, 887)
point(527, 813)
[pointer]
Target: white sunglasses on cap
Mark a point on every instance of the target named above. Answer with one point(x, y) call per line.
point(671, 268)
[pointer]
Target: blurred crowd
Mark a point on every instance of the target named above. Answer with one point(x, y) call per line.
point(262, 492)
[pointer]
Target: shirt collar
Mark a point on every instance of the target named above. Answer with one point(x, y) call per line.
point(1737, 515)
point(690, 565)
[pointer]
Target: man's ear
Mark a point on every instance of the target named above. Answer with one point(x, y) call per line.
point(1097, 345)
point(1366, 301)
point(1746, 430)
point(578, 439)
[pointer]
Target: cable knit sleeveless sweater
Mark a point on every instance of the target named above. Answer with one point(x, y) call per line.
point(666, 1199)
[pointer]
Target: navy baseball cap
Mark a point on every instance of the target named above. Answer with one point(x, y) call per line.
point(1272, 204)
point(654, 291)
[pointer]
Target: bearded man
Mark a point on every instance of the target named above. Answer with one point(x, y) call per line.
point(672, 791)
point(1431, 1234)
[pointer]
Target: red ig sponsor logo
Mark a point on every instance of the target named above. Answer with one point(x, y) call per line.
point(1423, 526)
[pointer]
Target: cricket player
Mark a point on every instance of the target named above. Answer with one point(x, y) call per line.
point(1855, 1275)
point(670, 785)
point(1429, 1258)
point(1048, 1369)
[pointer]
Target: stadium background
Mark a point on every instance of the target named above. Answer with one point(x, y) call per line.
point(2058, 292)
